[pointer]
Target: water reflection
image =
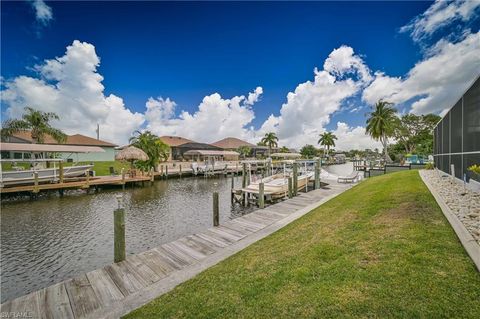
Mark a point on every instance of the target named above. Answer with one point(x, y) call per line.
point(54, 238)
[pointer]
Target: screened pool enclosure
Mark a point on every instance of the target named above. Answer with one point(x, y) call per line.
point(457, 135)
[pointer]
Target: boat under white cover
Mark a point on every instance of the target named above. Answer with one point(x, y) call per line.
point(11, 178)
point(217, 166)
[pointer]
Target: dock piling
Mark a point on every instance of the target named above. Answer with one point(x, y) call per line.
point(232, 190)
point(295, 179)
point(180, 170)
point(123, 178)
point(87, 178)
point(61, 172)
point(119, 235)
point(261, 195)
point(244, 175)
point(290, 187)
point(317, 174)
point(216, 211)
point(35, 181)
point(152, 176)
point(166, 171)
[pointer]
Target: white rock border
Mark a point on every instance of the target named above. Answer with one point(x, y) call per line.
point(467, 240)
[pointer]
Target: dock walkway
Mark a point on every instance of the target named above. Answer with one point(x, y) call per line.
point(77, 183)
point(119, 288)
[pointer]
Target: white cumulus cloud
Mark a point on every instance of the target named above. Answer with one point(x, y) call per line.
point(43, 12)
point(353, 138)
point(71, 87)
point(309, 108)
point(436, 82)
point(440, 14)
point(216, 117)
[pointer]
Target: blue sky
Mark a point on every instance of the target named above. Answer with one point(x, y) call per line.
point(187, 51)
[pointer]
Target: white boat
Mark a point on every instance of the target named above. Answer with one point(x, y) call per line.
point(209, 167)
point(51, 175)
point(277, 185)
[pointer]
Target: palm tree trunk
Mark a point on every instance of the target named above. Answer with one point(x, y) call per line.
point(385, 151)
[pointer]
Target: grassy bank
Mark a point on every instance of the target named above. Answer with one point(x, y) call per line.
point(382, 249)
point(103, 168)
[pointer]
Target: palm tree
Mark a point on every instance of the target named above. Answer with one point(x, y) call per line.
point(37, 122)
point(284, 149)
point(244, 151)
point(152, 145)
point(381, 124)
point(270, 140)
point(327, 139)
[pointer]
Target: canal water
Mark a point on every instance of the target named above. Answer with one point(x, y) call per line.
point(53, 238)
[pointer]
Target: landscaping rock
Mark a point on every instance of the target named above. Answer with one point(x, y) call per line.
point(465, 204)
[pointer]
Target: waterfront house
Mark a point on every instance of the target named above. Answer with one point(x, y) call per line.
point(72, 140)
point(232, 144)
point(184, 149)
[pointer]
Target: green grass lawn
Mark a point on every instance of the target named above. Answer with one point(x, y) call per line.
point(103, 168)
point(382, 249)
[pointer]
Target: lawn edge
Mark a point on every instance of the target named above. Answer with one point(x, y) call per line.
point(144, 296)
point(466, 239)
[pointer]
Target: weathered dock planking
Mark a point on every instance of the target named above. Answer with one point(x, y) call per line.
point(118, 288)
point(79, 183)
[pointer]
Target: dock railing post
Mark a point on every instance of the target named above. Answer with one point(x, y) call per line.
point(152, 176)
point(295, 179)
point(166, 171)
point(180, 167)
point(119, 233)
point(123, 178)
point(216, 211)
point(261, 195)
point(317, 174)
point(61, 172)
point(290, 187)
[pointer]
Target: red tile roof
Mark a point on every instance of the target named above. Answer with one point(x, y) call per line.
point(232, 143)
point(76, 139)
point(175, 140)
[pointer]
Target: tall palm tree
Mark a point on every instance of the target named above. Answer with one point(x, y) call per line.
point(327, 139)
point(152, 145)
point(270, 140)
point(37, 122)
point(381, 124)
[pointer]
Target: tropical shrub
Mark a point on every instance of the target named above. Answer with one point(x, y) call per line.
point(429, 166)
point(151, 144)
point(475, 169)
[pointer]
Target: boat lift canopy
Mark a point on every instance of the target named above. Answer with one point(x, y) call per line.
point(50, 148)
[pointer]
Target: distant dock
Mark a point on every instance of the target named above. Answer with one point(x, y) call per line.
point(122, 180)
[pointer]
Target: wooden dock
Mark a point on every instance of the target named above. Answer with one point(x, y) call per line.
point(82, 183)
point(117, 289)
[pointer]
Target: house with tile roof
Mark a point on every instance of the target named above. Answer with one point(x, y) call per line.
point(75, 139)
point(233, 143)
